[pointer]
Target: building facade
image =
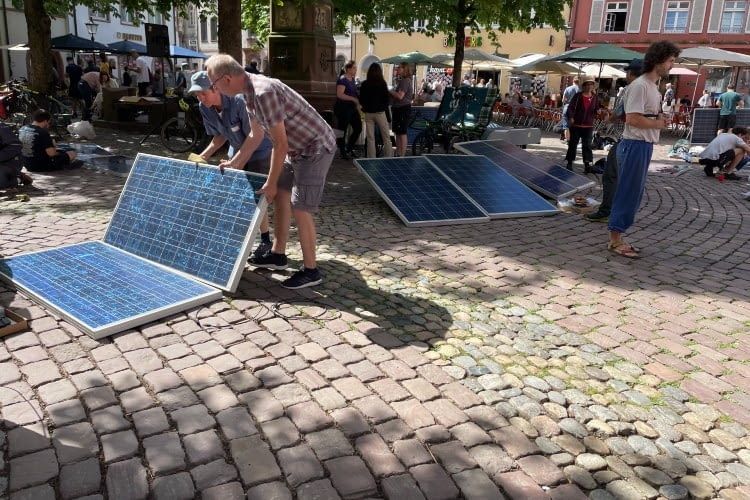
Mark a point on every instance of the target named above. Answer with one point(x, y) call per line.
point(634, 24)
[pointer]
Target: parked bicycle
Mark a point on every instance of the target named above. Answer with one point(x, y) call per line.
point(184, 132)
point(18, 101)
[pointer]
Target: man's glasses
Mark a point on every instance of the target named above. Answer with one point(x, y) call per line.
point(214, 82)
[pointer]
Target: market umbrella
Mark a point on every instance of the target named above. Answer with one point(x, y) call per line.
point(126, 47)
point(711, 57)
point(177, 51)
point(547, 65)
point(411, 58)
point(527, 59)
point(605, 71)
point(676, 71)
point(604, 53)
point(72, 42)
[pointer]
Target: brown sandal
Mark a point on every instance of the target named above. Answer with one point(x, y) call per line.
point(624, 249)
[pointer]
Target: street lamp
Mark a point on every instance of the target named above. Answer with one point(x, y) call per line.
point(568, 33)
point(91, 27)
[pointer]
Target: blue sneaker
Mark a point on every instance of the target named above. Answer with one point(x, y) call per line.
point(303, 278)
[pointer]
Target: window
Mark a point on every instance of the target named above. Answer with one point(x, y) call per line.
point(156, 18)
point(214, 29)
point(733, 18)
point(126, 17)
point(676, 17)
point(204, 30)
point(191, 17)
point(99, 16)
point(617, 13)
point(420, 23)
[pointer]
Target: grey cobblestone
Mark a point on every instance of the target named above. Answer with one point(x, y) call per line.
point(212, 474)
point(175, 487)
point(203, 447)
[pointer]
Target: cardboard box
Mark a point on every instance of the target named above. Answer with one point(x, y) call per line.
point(19, 324)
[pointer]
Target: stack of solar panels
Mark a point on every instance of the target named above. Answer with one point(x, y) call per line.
point(435, 190)
point(539, 174)
point(180, 233)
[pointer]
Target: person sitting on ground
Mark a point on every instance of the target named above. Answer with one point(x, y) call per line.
point(38, 152)
point(226, 119)
point(10, 164)
point(726, 153)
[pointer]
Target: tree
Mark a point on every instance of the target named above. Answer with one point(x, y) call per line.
point(450, 17)
point(230, 28)
point(39, 14)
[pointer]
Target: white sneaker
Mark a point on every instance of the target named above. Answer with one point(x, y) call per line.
point(746, 195)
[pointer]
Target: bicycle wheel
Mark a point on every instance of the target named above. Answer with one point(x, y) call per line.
point(423, 144)
point(178, 138)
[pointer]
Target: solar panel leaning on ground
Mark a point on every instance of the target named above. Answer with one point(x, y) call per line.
point(706, 123)
point(498, 193)
point(177, 228)
point(419, 193)
point(539, 174)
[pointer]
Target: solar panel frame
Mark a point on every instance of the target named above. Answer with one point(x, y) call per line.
point(261, 205)
point(501, 175)
point(705, 123)
point(210, 294)
point(537, 179)
point(361, 165)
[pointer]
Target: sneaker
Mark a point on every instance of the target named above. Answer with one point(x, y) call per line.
point(733, 177)
point(746, 195)
point(270, 260)
point(303, 278)
point(709, 170)
point(588, 169)
point(569, 165)
point(597, 217)
point(263, 248)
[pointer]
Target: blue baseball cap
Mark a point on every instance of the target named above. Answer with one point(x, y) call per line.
point(635, 66)
point(199, 82)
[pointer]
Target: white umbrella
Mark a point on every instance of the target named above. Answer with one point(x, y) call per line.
point(681, 72)
point(602, 71)
point(527, 59)
point(711, 57)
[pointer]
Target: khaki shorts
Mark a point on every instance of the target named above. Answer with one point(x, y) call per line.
point(305, 178)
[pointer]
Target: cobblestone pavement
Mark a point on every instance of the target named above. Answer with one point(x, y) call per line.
point(513, 359)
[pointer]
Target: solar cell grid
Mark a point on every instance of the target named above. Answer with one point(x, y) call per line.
point(705, 123)
point(193, 218)
point(103, 289)
point(419, 193)
point(496, 191)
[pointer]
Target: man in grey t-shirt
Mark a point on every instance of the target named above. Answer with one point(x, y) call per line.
point(643, 122)
point(726, 153)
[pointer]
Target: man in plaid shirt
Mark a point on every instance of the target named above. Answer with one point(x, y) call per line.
point(303, 149)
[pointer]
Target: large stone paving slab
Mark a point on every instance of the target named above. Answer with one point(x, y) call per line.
point(514, 358)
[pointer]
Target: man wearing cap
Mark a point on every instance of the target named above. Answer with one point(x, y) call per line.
point(303, 149)
point(609, 177)
point(581, 114)
point(226, 119)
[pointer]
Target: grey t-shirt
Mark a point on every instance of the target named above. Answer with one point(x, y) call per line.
point(404, 85)
point(721, 143)
point(642, 97)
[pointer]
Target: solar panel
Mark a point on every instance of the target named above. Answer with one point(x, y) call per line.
point(190, 217)
point(419, 193)
point(496, 191)
point(706, 123)
point(101, 289)
point(542, 176)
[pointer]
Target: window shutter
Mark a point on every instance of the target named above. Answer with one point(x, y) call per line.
point(654, 20)
point(597, 12)
point(714, 22)
point(635, 15)
point(697, 16)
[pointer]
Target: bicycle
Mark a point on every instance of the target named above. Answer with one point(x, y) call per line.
point(18, 102)
point(184, 132)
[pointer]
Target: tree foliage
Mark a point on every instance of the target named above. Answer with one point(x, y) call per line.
point(448, 17)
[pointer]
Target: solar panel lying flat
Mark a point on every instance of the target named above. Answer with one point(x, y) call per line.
point(418, 193)
point(177, 228)
point(193, 218)
point(102, 289)
point(496, 191)
point(542, 176)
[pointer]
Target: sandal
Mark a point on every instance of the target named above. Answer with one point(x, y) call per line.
point(624, 249)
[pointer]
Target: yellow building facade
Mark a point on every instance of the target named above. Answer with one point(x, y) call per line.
point(511, 45)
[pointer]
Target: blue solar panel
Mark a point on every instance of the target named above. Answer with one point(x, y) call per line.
point(102, 289)
point(418, 193)
point(535, 172)
point(193, 218)
point(496, 191)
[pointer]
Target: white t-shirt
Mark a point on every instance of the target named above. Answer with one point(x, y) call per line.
point(704, 100)
point(142, 65)
point(720, 144)
point(642, 97)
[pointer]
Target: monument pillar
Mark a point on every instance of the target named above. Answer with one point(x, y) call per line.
point(302, 51)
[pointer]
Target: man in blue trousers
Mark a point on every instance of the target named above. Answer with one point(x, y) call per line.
point(643, 122)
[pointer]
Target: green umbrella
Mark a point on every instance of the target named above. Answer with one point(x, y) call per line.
point(604, 53)
point(411, 58)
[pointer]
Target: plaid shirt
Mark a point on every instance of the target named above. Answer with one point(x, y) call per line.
point(270, 101)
